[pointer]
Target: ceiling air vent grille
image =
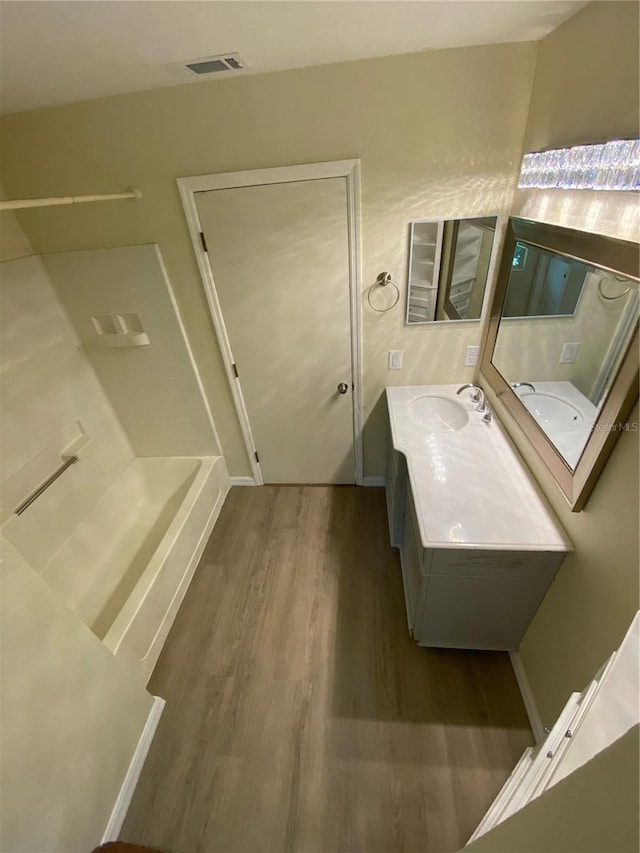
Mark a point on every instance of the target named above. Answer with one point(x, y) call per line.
point(214, 64)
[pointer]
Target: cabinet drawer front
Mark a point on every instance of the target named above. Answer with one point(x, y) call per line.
point(535, 565)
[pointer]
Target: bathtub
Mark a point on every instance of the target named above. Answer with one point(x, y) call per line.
point(126, 566)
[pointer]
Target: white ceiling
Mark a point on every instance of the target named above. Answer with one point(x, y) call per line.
point(58, 51)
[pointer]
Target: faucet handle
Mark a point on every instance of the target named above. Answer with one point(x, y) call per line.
point(487, 415)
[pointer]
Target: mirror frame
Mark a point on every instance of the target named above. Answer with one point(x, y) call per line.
point(613, 255)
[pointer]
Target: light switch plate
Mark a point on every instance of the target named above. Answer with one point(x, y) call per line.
point(569, 353)
point(471, 356)
point(395, 359)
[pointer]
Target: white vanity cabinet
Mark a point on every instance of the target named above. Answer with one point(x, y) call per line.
point(479, 547)
point(468, 598)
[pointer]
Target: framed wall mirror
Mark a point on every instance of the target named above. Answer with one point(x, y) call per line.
point(448, 268)
point(561, 349)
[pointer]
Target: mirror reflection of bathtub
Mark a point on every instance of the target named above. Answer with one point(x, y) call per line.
point(563, 412)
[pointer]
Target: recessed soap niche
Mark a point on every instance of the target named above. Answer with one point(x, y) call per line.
point(120, 330)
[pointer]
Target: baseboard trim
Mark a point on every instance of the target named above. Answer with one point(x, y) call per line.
point(527, 697)
point(123, 800)
point(373, 481)
point(242, 481)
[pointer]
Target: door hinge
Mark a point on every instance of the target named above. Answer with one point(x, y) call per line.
point(203, 240)
point(255, 453)
point(235, 370)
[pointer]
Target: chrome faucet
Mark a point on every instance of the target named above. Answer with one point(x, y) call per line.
point(523, 385)
point(478, 396)
point(475, 397)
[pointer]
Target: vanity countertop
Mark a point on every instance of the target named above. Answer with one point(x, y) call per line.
point(469, 486)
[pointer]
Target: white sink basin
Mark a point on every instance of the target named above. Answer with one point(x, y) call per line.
point(438, 414)
point(552, 411)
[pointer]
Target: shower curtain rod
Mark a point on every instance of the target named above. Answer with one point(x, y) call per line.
point(18, 204)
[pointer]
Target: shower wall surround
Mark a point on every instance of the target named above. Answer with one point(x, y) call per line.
point(66, 744)
point(154, 390)
point(50, 396)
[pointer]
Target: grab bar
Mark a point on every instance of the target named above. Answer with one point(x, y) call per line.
point(27, 503)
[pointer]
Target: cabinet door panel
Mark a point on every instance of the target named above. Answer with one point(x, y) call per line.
point(477, 612)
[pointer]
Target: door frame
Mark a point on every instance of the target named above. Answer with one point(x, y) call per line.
point(348, 169)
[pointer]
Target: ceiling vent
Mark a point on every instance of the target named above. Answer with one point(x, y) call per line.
point(213, 64)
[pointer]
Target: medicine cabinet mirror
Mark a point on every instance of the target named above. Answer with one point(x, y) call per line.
point(448, 267)
point(561, 350)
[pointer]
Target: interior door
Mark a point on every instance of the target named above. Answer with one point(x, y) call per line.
point(280, 260)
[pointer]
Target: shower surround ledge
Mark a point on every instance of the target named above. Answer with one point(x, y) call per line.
point(479, 544)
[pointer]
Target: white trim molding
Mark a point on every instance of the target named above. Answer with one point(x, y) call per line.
point(527, 697)
point(348, 169)
point(188, 188)
point(125, 795)
point(242, 481)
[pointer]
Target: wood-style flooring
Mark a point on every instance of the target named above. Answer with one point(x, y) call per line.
point(300, 715)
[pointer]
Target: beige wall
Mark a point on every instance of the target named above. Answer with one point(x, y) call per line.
point(593, 599)
point(439, 135)
point(595, 810)
point(586, 90)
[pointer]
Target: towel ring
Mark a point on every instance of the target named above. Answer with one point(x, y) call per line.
point(613, 298)
point(383, 280)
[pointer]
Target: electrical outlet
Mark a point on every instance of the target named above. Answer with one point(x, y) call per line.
point(395, 359)
point(471, 356)
point(569, 353)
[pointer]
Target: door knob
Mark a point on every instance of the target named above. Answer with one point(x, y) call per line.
point(342, 388)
